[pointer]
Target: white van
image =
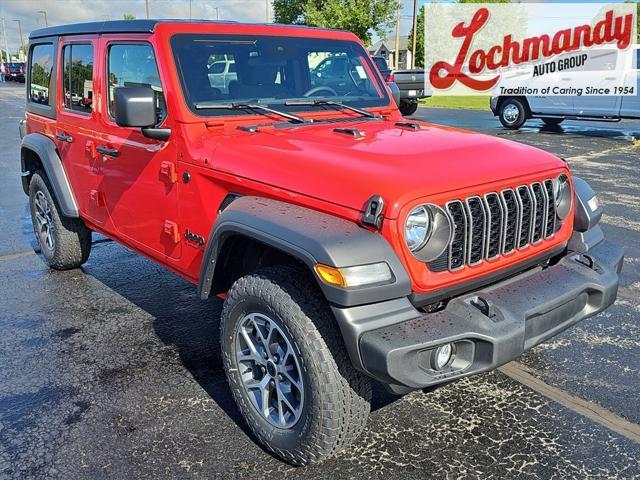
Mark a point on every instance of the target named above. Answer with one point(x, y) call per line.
point(514, 111)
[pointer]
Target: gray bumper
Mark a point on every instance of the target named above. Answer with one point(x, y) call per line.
point(511, 317)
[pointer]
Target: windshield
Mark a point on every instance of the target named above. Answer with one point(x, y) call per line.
point(272, 71)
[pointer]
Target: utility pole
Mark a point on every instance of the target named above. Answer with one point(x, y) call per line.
point(266, 4)
point(189, 9)
point(397, 56)
point(44, 12)
point(6, 45)
point(21, 39)
point(217, 13)
point(146, 7)
point(415, 33)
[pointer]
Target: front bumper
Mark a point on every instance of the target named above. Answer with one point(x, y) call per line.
point(488, 327)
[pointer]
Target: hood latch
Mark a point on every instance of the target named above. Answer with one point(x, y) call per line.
point(372, 215)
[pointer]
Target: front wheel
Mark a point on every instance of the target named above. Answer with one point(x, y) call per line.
point(513, 113)
point(288, 369)
point(408, 108)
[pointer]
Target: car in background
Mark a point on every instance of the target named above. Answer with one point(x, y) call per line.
point(412, 88)
point(221, 74)
point(14, 71)
point(514, 111)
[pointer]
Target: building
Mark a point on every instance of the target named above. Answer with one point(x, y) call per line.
point(386, 48)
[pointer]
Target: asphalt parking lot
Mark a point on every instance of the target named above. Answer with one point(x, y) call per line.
point(113, 371)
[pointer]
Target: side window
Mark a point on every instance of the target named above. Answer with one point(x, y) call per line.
point(77, 77)
point(134, 65)
point(40, 73)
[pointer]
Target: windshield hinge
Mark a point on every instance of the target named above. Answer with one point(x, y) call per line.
point(372, 215)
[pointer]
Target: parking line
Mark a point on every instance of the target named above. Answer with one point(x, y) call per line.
point(11, 256)
point(604, 417)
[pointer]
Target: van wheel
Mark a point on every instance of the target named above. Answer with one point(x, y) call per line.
point(65, 243)
point(513, 114)
point(552, 121)
point(408, 108)
point(288, 369)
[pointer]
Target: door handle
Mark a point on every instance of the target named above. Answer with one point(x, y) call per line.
point(64, 138)
point(111, 152)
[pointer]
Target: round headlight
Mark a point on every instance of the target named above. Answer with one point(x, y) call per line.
point(427, 232)
point(563, 196)
point(417, 228)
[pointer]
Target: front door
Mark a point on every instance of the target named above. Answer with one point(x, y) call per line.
point(138, 184)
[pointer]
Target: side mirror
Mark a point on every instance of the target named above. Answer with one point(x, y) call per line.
point(136, 107)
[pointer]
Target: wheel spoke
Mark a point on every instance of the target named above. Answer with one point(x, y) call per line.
point(265, 395)
point(280, 409)
point(254, 354)
point(292, 380)
point(260, 335)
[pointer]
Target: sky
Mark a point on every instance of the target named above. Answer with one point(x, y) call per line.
point(74, 11)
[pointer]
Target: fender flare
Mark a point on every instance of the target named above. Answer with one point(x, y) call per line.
point(46, 150)
point(312, 237)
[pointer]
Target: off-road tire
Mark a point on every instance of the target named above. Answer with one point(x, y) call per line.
point(336, 396)
point(507, 107)
point(552, 121)
point(408, 108)
point(72, 244)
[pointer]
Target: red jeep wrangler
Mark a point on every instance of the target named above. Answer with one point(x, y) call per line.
point(349, 244)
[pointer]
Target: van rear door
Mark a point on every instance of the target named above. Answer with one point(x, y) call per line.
point(631, 103)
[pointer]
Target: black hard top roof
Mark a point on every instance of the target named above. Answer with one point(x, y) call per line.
point(110, 26)
point(129, 26)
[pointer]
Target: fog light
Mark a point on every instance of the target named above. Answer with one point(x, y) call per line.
point(442, 356)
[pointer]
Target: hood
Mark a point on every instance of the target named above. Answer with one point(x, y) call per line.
point(398, 163)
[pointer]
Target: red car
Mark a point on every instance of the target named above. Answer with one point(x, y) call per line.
point(14, 71)
point(349, 244)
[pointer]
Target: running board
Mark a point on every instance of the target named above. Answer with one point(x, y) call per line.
point(572, 117)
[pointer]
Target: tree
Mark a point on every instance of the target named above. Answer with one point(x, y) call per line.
point(419, 54)
point(361, 17)
point(129, 16)
point(289, 11)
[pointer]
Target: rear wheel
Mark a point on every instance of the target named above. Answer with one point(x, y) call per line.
point(513, 113)
point(552, 121)
point(65, 243)
point(287, 367)
point(408, 108)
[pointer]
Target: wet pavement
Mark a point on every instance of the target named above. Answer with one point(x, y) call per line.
point(113, 370)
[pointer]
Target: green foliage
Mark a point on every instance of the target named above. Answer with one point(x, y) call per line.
point(129, 16)
point(289, 11)
point(358, 16)
point(637, 17)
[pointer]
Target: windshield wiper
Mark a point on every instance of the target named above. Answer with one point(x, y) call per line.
point(247, 106)
point(314, 103)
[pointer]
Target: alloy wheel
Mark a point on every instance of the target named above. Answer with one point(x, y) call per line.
point(44, 223)
point(270, 370)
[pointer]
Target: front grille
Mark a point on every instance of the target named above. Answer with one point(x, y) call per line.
point(484, 228)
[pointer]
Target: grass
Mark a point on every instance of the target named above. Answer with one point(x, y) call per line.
point(467, 102)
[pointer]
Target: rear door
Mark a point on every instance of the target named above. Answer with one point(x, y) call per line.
point(77, 122)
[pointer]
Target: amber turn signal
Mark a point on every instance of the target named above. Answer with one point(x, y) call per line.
point(330, 275)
